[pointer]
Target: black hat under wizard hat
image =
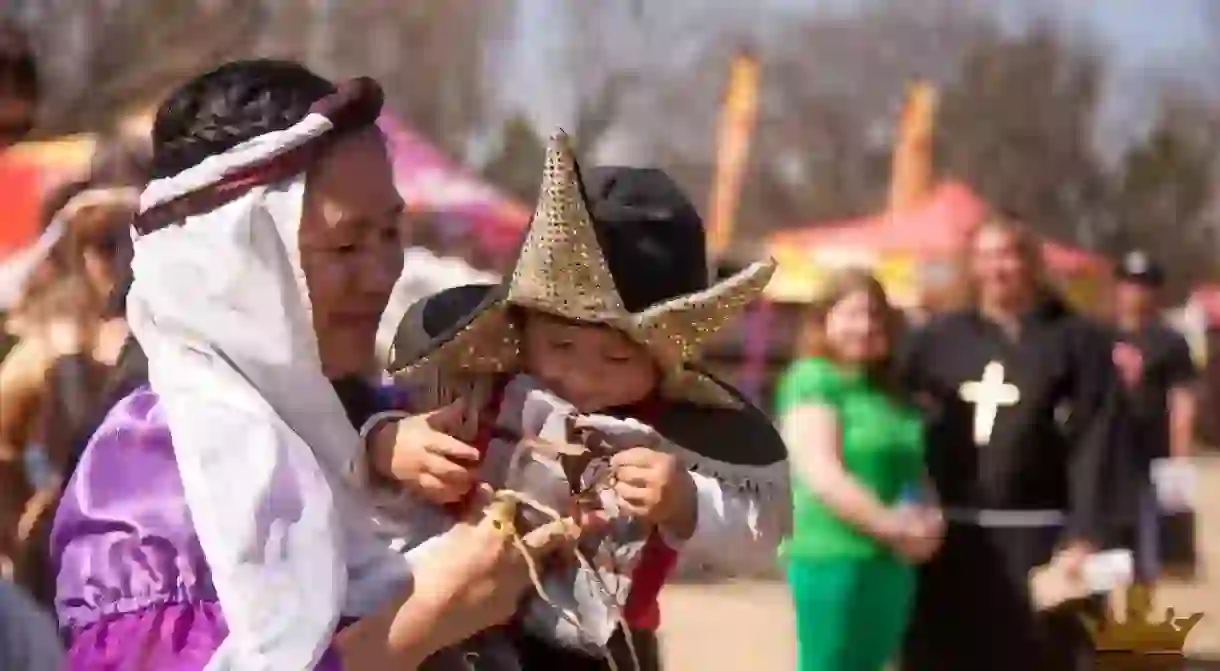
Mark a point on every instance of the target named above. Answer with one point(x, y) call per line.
point(623, 247)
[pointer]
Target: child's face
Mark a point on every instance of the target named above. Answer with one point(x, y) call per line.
point(591, 367)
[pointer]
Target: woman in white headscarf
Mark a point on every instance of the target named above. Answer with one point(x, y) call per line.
point(216, 519)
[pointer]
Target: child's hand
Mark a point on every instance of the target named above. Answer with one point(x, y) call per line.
point(654, 486)
point(420, 452)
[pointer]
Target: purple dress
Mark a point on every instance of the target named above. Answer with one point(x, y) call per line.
point(134, 591)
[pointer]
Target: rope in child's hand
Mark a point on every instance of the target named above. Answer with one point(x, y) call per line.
point(503, 512)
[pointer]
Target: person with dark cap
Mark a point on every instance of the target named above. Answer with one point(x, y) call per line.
point(1155, 365)
point(601, 322)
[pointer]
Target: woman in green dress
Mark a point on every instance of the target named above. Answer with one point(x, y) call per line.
point(855, 447)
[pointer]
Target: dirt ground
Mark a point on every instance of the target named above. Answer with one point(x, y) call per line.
point(748, 625)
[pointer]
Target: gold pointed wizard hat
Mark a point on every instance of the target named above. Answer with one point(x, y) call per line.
point(564, 270)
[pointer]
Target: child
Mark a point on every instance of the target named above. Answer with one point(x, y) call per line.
point(607, 308)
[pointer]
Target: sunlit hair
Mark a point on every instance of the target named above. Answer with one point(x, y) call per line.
point(54, 298)
point(60, 288)
point(100, 226)
point(813, 340)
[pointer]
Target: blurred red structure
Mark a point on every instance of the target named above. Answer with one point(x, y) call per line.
point(912, 250)
point(27, 172)
point(936, 227)
point(431, 182)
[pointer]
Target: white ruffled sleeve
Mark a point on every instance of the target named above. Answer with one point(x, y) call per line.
point(735, 530)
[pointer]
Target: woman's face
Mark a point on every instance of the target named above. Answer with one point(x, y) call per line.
point(856, 328)
point(591, 367)
point(351, 250)
point(998, 267)
point(104, 256)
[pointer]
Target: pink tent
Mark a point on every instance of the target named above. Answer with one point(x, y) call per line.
point(938, 227)
point(429, 181)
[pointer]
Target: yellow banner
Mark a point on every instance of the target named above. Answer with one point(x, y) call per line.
point(737, 118)
point(800, 275)
point(797, 277)
point(900, 277)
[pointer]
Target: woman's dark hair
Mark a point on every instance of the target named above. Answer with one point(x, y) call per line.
point(18, 63)
point(229, 105)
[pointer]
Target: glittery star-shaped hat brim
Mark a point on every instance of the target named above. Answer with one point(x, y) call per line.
point(562, 271)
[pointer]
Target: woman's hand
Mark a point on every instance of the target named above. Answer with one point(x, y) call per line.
point(915, 532)
point(473, 578)
point(477, 575)
point(421, 452)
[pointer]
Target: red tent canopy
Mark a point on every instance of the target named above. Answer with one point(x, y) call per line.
point(21, 197)
point(429, 181)
point(937, 227)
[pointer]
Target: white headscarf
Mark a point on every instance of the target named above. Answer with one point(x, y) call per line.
point(220, 306)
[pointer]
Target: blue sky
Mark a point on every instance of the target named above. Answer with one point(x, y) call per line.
point(1140, 37)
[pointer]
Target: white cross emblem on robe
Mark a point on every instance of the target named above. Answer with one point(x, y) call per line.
point(988, 394)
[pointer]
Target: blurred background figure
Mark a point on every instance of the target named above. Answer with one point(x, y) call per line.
point(1160, 379)
point(71, 334)
point(28, 636)
point(19, 88)
point(856, 447)
point(1024, 449)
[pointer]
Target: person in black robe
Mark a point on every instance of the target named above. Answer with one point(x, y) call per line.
point(1023, 422)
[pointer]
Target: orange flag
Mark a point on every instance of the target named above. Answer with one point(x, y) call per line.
point(912, 174)
point(737, 116)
